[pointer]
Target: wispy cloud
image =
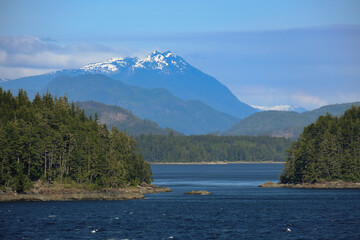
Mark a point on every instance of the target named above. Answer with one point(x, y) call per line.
point(308, 101)
point(263, 95)
point(307, 67)
point(20, 56)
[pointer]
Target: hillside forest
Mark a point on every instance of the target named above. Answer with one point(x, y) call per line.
point(327, 150)
point(52, 140)
point(210, 148)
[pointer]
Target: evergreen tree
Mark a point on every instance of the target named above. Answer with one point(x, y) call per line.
point(327, 150)
point(53, 140)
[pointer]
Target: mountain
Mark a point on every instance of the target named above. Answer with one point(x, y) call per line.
point(287, 108)
point(169, 71)
point(283, 124)
point(159, 105)
point(123, 119)
point(157, 70)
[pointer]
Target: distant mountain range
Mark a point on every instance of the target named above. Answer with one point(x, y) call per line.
point(159, 105)
point(287, 108)
point(158, 70)
point(282, 123)
point(166, 89)
point(123, 119)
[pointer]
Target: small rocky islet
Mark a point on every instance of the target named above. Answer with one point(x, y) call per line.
point(199, 192)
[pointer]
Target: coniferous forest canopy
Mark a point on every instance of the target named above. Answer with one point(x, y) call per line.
point(52, 140)
point(210, 148)
point(327, 150)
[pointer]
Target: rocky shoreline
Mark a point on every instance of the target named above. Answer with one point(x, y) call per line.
point(334, 184)
point(66, 192)
point(212, 163)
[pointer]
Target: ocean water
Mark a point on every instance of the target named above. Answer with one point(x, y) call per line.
point(237, 209)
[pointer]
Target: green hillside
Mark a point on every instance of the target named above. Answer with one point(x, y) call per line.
point(283, 124)
point(123, 119)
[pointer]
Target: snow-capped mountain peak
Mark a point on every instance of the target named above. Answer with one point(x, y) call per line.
point(165, 62)
point(287, 107)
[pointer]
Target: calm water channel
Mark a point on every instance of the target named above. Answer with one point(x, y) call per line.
point(237, 209)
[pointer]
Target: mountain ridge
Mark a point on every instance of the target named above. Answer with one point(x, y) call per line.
point(159, 105)
point(282, 123)
point(123, 119)
point(158, 70)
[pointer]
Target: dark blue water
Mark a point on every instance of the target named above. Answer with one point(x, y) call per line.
point(237, 209)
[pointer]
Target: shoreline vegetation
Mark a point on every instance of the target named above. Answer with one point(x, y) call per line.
point(326, 155)
point(212, 148)
point(43, 191)
point(333, 184)
point(52, 140)
point(213, 163)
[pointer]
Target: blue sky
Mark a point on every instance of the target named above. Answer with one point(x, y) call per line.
point(267, 52)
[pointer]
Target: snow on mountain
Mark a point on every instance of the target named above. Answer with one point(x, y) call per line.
point(2, 80)
point(164, 62)
point(287, 108)
point(164, 70)
point(109, 66)
point(169, 71)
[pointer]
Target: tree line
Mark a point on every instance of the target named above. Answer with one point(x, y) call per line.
point(327, 150)
point(53, 140)
point(210, 148)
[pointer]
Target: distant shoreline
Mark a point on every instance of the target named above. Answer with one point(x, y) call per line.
point(212, 163)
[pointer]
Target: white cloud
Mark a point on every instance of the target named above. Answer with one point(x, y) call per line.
point(308, 101)
point(31, 55)
point(349, 97)
point(16, 72)
point(261, 95)
point(3, 56)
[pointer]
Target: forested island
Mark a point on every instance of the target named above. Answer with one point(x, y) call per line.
point(211, 148)
point(51, 141)
point(327, 154)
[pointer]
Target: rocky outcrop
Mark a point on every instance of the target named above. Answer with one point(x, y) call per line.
point(66, 192)
point(332, 184)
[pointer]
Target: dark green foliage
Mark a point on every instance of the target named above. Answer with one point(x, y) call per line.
point(123, 119)
point(51, 140)
point(327, 150)
point(210, 148)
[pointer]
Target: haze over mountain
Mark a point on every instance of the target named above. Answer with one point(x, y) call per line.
point(123, 119)
point(157, 70)
point(159, 105)
point(282, 123)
